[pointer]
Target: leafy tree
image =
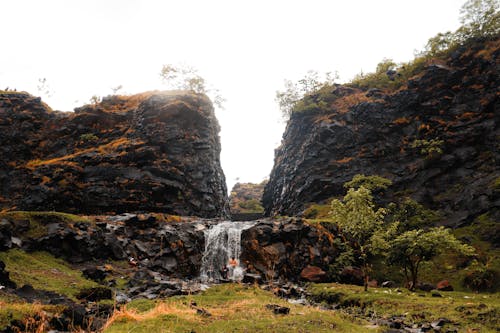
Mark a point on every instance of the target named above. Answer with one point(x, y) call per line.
point(371, 183)
point(411, 248)
point(294, 92)
point(188, 78)
point(358, 220)
point(480, 18)
point(411, 215)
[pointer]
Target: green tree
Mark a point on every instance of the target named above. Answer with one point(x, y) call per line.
point(411, 215)
point(361, 223)
point(480, 18)
point(188, 78)
point(411, 248)
point(372, 183)
point(294, 92)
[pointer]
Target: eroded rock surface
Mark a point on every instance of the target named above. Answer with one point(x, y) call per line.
point(374, 133)
point(153, 152)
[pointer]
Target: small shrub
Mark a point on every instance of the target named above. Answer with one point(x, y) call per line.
point(88, 137)
point(429, 148)
point(482, 280)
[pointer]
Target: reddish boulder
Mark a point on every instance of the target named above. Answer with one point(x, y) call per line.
point(444, 286)
point(313, 274)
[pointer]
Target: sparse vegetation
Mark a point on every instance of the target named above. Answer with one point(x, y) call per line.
point(37, 221)
point(297, 96)
point(232, 308)
point(429, 148)
point(466, 312)
point(88, 137)
point(42, 271)
point(188, 78)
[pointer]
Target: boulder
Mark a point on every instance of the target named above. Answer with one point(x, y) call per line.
point(444, 285)
point(352, 275)
point(313, 274)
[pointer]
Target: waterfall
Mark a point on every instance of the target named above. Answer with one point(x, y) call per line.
point(223, 242)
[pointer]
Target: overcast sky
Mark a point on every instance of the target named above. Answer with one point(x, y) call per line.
point(244, 48)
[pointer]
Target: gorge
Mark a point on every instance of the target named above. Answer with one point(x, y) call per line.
point(130, 191)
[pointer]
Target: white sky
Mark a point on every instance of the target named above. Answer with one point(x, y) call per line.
point(244, 48)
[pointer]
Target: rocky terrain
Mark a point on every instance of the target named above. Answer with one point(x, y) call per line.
point(153, 255)
point(152, 152)
point(245, 201)
point(437, 138)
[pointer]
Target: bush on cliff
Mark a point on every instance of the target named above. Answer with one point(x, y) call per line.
point(479, 19)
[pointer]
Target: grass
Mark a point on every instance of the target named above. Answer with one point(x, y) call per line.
point(470, 312)
point(14, 309)
point(233, 308)
point(43, 271)
point(39, 220)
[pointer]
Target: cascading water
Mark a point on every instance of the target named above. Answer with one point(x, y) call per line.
point(223, 242)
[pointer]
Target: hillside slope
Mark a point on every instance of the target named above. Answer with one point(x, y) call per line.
point(437, 138)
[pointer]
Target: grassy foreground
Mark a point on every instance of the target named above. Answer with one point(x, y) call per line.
point(468, 312)
point(42, 271)
point(233, 308)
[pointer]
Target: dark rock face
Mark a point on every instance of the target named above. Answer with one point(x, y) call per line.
point(284, 248)
point(173, 249)
point(148, 152)
point(456, 102)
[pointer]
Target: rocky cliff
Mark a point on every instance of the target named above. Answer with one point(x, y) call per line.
point(437, 138)
point(156, 151)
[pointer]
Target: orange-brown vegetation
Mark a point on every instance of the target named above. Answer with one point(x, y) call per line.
point(401, 121)
point(345, 103)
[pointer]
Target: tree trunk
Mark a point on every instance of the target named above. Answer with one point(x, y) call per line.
point(365, 276)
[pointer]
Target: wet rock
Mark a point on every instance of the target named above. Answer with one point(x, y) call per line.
point(426, 286)
point(388, 284)
point(252, 278)
point(95, 294)
point(5, 281)
point(32, 295)
point(277, 309)
point(313, 274)
point(96, 273)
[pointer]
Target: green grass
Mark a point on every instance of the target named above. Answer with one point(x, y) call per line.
point(43, 271)
point(233, 308)
point(39, 220)
point(12, 308)
point(469, 311)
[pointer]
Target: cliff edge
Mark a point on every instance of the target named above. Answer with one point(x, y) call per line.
point(151, 152)
point(437, 138)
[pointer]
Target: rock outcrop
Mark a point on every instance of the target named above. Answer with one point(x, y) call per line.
point(451, 106)
point(283, 248)
point(245, 201)
point(156, 151)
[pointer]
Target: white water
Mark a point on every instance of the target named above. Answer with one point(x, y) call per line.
point(223, 242)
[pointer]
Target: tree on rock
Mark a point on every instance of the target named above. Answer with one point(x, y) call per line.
point(188, 78)
point(358, 220)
